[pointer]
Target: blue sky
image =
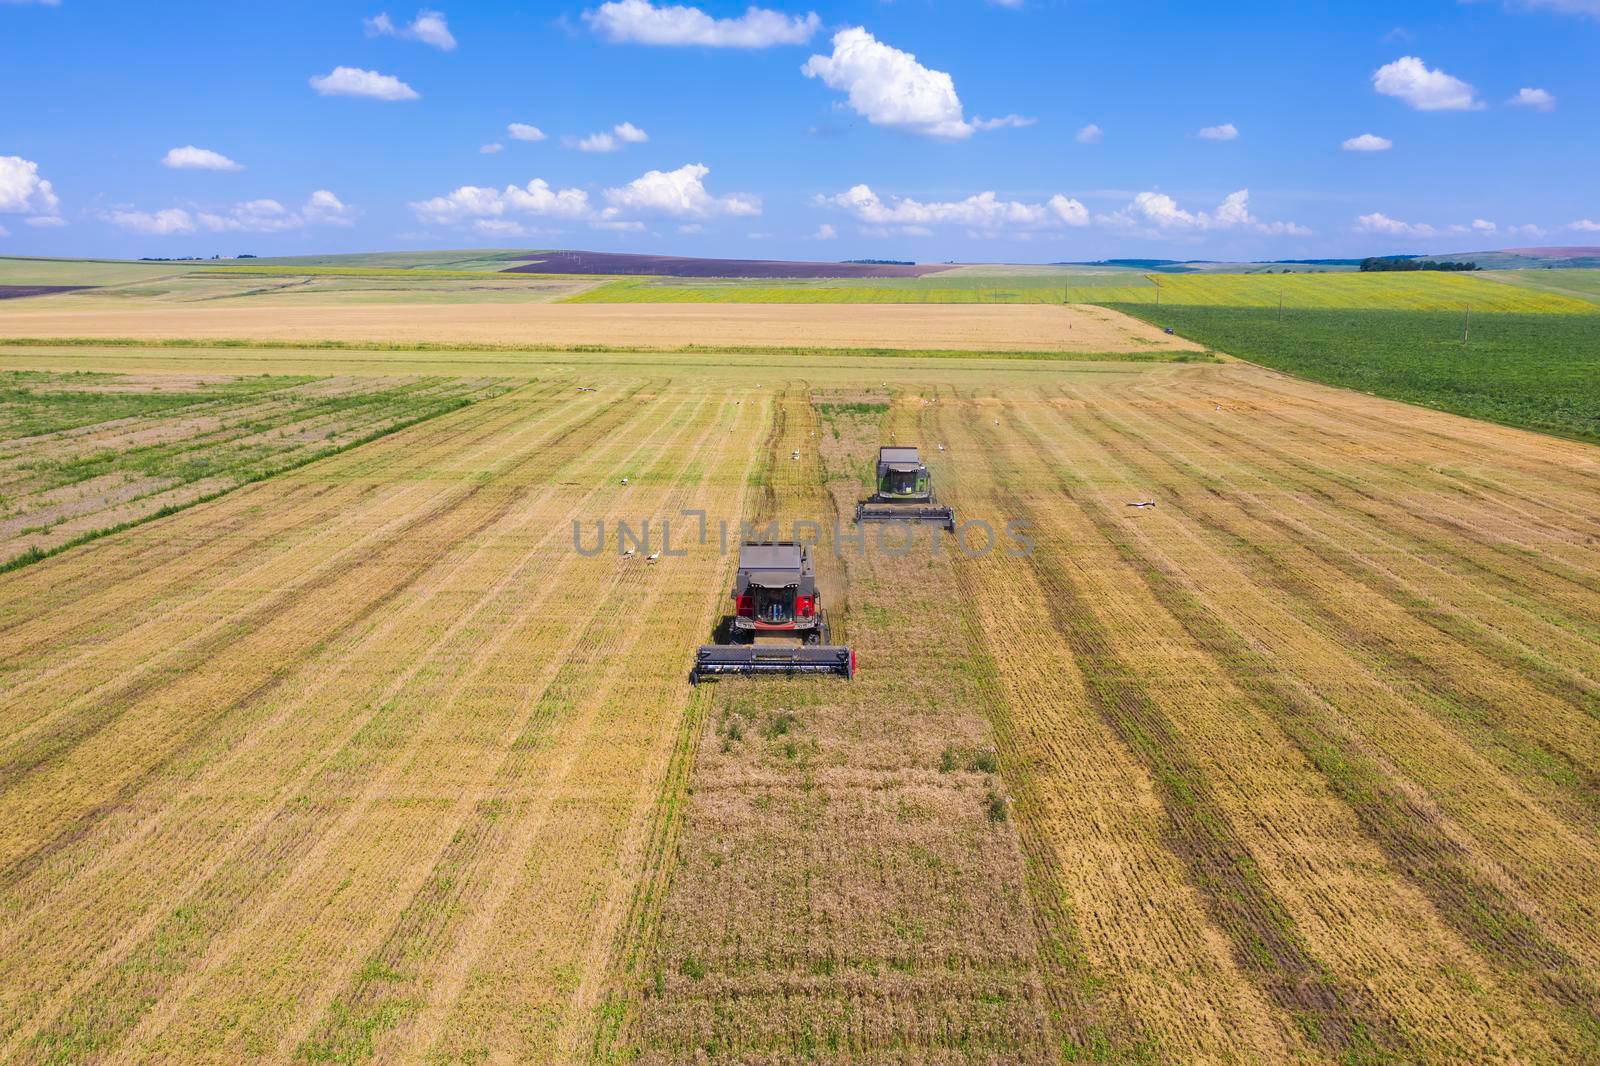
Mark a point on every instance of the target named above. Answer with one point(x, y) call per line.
point(919, 129)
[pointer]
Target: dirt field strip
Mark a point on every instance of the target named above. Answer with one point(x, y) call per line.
point(824, 808)
point(985, 327)
point(1143, 449)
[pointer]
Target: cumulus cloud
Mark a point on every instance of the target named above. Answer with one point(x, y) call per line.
point(1091, 134)
point(1225, 132)
point(492, 148)
point(1538, 99)
point(1409, 79)
point(983, 211)
point(429, 27)
point(521, 131)
point(1367, 142)
point(1585, 225)
point(173, 220)
point(642, 22)
point(825, 232)
point(1377, 222)
point(23, 191)
point(191, 158)
point(1162, 213)
point(322, 208)
point(677, 193)
point(610, 140)
point(471, 202)
point(889, 87)
point(1483, 225)
point(1009, 121)
point(45, 221)
point(353, 81)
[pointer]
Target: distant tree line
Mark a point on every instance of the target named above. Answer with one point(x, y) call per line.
point(1380, 263)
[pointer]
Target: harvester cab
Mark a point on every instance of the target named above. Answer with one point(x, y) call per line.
point(778, 625)
point(904, 491)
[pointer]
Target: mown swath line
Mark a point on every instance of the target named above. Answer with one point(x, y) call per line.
point(638, 936)
point(1578, 780)
point(1589, 583)
point(1413, 839)
point(1081, 1010)
point(106, 1014)
point(1266, 942)
point(69, 577)
point(1510, 586)
point(106, 710)
point(376, 997)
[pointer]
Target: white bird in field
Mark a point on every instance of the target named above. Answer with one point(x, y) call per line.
point(941, 447)
point(627, 552)
point(586, 388)
point(1143, 503)
point(652, 557)
point(794, 455)
point(997, 421)
point(624, 481)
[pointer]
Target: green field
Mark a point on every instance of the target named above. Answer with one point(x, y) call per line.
point(1537, 371)
point(1419, 291)
point(1578, 284)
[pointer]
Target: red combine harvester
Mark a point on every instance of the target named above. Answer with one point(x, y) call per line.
point(778, 625)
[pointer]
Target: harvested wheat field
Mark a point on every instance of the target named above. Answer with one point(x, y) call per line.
point(365, 760)
point(996, 327)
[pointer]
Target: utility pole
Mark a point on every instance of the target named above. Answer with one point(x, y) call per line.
point(1280, 305)
point(1466, 325)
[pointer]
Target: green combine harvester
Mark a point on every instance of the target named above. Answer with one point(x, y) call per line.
point(905, 492)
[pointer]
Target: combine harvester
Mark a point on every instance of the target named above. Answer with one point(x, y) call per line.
point(905, 492)
point(778, 625)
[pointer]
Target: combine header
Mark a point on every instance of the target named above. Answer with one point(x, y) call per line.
point(778, 625)
point(905, 492)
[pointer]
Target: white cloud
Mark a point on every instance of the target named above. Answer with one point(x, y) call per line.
point(1011, 121)
point(191, 158)
point(1367, 142)
point(889, 87)
point(1091, 134)
point(984, 210)
point(22, 190)
point(475, 202)
point(1537, 99)
point(352, 81)
point(521, 131)
point(500, 227)
point(45, 221)
point(1158, 210)
point(679, 193)
point(322, 208)
point(610, 140)
point(429, 27)
point(1408, 78)
point(1377, 222)
point(1483, 225)
point(173, 220)
point(641, 22)
point(1225, 132)
point(492, 148)
point(825, 232)
point(1529, 230)
point(1585, 225)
